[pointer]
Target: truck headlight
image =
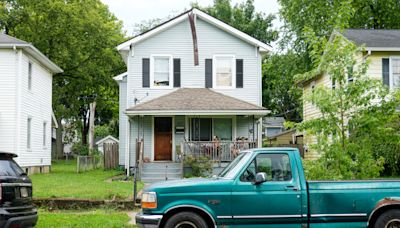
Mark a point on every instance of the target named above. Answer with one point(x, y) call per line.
point(149, 200)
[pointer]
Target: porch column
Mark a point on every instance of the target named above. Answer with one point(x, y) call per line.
point(128, 142)
point(259, 133)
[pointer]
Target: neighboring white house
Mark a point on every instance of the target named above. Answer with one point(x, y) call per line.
point(106, 140)
point(26, 103)
point(193, 86)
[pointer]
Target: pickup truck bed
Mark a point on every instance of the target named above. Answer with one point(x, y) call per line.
point(343, 201)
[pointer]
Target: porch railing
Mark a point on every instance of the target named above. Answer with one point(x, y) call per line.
point(218, 151)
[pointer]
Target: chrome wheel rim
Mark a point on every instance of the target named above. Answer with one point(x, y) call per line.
point(394, 223)
point(185, 224)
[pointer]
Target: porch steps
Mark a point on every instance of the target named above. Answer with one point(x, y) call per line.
point(161, 171)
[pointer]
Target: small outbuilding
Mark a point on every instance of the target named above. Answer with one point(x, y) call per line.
point(106, 140)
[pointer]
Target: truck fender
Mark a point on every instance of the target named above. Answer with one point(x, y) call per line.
point(191, 204)
point(382, 205)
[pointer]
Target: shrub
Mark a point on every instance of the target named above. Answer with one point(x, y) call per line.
point(201, 166)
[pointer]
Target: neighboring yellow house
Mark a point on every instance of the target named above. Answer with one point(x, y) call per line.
point(382, 49)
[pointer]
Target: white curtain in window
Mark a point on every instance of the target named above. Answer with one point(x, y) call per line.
point(161, 71)
point(396, 73)
point(224, 71)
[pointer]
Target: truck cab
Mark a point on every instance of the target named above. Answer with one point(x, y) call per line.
point(267, 188)
point(16, 207)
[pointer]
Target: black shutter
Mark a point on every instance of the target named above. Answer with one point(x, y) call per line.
point(146, 72)
point(177, 72)
point(208, 73)
point(385, 71)
point(239, 73)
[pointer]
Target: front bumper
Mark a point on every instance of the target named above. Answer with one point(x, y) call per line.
point(18, 217)
point(148, 221)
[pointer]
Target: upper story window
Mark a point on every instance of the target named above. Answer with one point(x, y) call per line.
point(223, 72)
point(395, 73)
point(161, 71)
point(30, 76)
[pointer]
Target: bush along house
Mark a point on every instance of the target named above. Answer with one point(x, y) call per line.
point(193, 88)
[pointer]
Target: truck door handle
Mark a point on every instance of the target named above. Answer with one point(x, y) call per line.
point(291, 188)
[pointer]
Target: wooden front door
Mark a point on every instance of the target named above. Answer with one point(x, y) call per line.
point(163, 138)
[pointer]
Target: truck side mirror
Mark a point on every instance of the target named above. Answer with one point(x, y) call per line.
point(260, 178)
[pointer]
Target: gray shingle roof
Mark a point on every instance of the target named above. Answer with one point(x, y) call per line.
point(6, 39)
point(273, 121)
point(374, 37)
point(194, 99)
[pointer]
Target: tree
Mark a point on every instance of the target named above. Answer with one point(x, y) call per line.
point(244, 18)
point(280, 94)
point(348, 108)
point(79, 36)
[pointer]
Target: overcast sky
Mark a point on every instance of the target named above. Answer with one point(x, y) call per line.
point(132, 12)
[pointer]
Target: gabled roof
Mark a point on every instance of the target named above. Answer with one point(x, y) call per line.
point(107, 138)
point(120, 77)
point(375, 39)
point(7, 41)
point(196, 101)
point(184, 16)
point(273, 121)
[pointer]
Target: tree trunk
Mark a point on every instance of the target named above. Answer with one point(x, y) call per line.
point(59, 140)
point(91, 126)
point(85, 126)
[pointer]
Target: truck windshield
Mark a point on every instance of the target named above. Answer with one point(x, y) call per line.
point(9, 168)
point(231, 170)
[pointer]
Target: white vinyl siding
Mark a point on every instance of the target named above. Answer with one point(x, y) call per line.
point(37, 104)
point(177, 42)
point(8, 99)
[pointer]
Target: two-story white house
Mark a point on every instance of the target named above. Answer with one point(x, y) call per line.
point(193, 87)
point(26, 103)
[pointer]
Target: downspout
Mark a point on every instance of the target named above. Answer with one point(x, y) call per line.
point(128, 139)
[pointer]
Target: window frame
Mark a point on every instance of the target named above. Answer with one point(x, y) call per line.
point(29, 133)
point(391, 81)
point(30, 75)
point(44, 134)
point(254, 159)
point(214, 71)
point(171, 70)
point(212, 127)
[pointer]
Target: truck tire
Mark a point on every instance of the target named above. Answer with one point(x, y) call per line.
point(389, 219)
point(186, 219)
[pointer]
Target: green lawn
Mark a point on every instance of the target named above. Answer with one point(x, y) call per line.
point(87, 219)
point(64, 182)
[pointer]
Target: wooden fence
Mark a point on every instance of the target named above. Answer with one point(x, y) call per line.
point(86, 163)
point(111, 155)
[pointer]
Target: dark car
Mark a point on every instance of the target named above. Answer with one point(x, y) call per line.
point(16, 208)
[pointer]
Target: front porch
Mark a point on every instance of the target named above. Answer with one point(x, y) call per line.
point(166, 136)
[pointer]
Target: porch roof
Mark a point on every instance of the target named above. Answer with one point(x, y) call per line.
point(196, 101)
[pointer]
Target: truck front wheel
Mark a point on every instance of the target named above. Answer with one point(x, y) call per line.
point(389, 219)
point(186, 219)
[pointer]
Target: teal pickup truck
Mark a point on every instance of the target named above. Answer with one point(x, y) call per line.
point(268, 188)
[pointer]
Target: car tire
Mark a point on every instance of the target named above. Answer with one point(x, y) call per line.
point(389, 219)
point(186, 219)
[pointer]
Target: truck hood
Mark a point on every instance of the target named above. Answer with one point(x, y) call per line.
point(191, 185)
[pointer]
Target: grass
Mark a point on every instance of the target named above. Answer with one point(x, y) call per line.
point(64, 182)
point(87, 219)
